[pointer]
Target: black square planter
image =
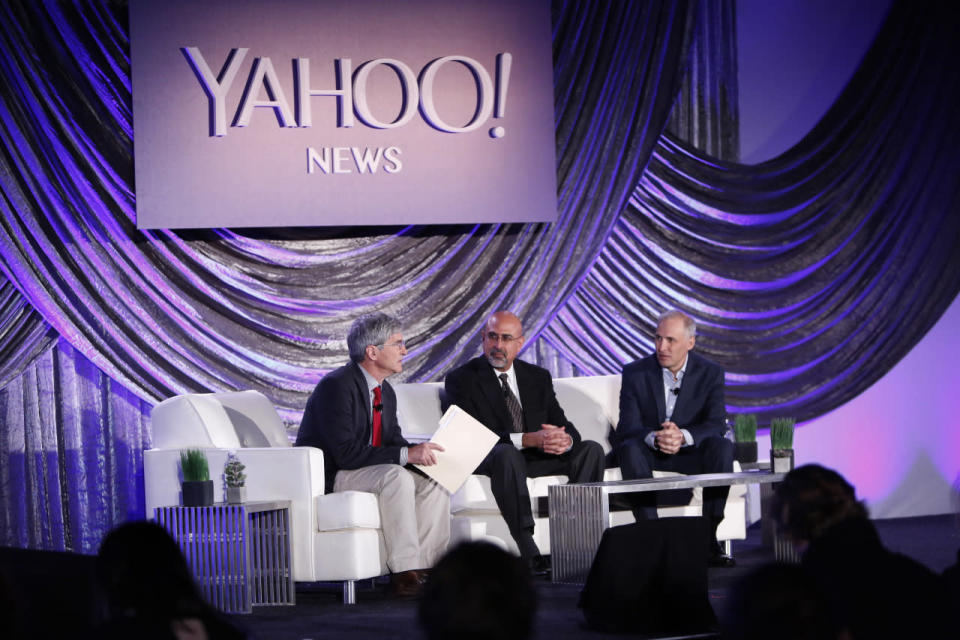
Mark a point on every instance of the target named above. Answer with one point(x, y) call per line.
point(197, 493)
point(745, 451)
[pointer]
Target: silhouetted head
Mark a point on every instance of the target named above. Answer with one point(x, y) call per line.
point(478, 591)
point(810, 500)
point(141, 573)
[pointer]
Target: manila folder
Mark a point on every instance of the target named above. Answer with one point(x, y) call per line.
point(465, 442)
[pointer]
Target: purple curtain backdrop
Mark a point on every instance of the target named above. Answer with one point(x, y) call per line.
point(166, 312)
point(812, 274)
point(72, 454)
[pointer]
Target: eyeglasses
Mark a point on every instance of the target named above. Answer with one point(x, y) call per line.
point(398, 344)
point(504, 338)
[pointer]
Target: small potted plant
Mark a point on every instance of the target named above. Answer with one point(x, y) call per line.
point(197, 486)
point(745, 437)
point(235, 480)
point(781, 444)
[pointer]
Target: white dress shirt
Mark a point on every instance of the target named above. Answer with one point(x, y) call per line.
point(671, 389)
point(371, 385)
point(515, 438)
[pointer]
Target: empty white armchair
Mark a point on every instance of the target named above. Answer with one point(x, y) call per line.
point(334, 537)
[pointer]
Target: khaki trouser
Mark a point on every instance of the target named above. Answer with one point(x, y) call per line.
point(414, 513)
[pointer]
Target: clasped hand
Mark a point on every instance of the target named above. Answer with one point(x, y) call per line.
point(423, 453)
point(551, 439)
point(669, 438)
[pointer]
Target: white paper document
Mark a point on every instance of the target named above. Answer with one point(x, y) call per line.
point(465, 443)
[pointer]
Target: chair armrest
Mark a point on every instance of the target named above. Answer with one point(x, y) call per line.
point(273, 473)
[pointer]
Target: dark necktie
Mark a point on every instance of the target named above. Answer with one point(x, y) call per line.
point(513, 405)
point(377, 408)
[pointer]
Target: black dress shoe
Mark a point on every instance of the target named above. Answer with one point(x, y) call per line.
point(718, 558)
point(405, 584)
point(539, 565)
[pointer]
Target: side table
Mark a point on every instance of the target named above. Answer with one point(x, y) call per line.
point(239, 553)
point(580, 513)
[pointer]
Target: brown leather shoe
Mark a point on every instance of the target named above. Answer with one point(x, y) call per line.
point(405, 584)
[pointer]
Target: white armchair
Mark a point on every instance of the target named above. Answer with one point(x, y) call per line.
point(334, 537)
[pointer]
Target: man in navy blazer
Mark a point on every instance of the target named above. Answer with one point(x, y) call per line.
point(673, 418)
point(352, 417)
point(516, 400)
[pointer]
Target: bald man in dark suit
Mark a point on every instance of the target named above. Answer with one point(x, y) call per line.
point(516, 400)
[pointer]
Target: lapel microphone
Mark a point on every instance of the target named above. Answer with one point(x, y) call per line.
point(378, 407)
point(675, 391)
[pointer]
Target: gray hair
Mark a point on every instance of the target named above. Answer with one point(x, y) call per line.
point(689, 324)
point(370, 329)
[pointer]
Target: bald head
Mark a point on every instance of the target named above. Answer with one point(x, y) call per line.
point(502, 339)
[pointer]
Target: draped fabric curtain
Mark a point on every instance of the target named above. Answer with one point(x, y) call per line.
point(167, 312)
point(24, 336)
point(71, 446)
point(811, 274)
point(160, 313)
point(707, 111)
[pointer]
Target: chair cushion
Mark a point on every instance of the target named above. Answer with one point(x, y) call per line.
point(347, 510)
point(349, 554)
point(592, 404)
point(539, 487)
point(476, 494)
point(419, 409)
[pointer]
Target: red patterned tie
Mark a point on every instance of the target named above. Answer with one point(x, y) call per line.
point(377, 407)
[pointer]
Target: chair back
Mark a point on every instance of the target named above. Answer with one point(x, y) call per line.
point(228, 420)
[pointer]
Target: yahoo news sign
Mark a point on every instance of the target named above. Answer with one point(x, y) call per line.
point(327, 112)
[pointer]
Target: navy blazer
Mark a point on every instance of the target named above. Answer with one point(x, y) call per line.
point(700, 407)
point(475, 389)
point(338, 421)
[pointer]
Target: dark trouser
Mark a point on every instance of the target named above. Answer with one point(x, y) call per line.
point(509, 468)
point(710, 455)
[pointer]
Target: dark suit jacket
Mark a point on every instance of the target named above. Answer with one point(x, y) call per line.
point(475, 389)
point(699, 409)
point(338, 418)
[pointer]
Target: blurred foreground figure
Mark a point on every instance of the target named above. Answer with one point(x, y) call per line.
point(478, 591)
point(148, 590)
point(872, 592)
point(778, 601)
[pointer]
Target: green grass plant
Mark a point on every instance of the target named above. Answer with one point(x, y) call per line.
point(193, 464)
point(745, 427)
point(781, 433)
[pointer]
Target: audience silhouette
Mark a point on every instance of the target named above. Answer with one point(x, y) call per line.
point(478, 591)
point(872, 592)
point(778, 601)
point(148, 592)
